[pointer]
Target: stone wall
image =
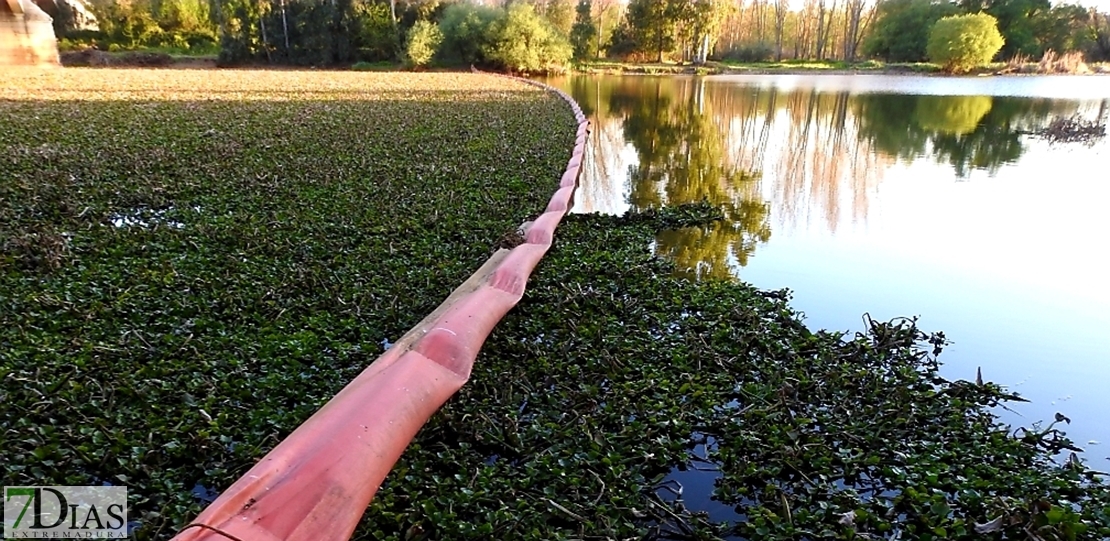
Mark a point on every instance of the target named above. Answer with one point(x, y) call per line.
point(26, 35)
point(69, 15)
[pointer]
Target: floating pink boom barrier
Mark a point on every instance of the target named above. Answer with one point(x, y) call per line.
point(316, 484)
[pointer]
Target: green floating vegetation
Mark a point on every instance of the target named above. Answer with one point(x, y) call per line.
point(186, 277)
point(610, 373)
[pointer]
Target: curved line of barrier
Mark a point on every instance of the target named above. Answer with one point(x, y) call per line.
point(316, 484)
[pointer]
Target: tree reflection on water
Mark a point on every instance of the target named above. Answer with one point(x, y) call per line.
point(810, 159)
point(967, 132)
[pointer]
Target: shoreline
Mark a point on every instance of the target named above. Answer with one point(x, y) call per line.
point(146, 59)
point(724, 69)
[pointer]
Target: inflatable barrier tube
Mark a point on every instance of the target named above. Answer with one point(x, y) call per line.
point(316, 484)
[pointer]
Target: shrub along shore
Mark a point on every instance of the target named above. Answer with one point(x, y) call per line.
point(192, 262)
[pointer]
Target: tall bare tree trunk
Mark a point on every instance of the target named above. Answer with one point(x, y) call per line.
point(823, 27)
point(781, 7)
point(265, 39)
point(600, 26)
point(853, 27)
point(760, 13)
point(285, 27)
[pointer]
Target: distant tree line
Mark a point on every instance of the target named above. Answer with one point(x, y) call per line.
point(1029, 27)
point(848, 30)
point(186, 26)
point(517, 36)
point(537, 35)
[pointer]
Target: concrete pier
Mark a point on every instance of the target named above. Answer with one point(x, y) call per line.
point(26, 35)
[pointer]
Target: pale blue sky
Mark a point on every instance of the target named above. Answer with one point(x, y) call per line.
point(1102, 5)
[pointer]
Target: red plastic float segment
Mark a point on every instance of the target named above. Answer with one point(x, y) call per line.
point(566, 195)
point(572, 173)
point(570, 178)
point(543, 229)
point(512, 275)
point(457, 336)
point(316, 484)
point(406, 342)
point(562, 200)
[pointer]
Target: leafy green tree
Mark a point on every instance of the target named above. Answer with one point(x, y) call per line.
point(1063, 28)
point(623, 42)
point(653, 23)
point(375, 32)
point(703, 20)
point(962, 42)
point(420, 10)
point(560, 13)
point(1099, 31)
point(307, 32)
point(421, 43)
point(186, 24)
point(583, 33)
point(305, 37)
point(183, 14)
point(1018, 21)
point(901, 29)
point(128, 25)
point(525, 42)
point(467, 32)
point(239, 39)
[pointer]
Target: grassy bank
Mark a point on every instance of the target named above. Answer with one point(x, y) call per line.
point(611, 374)
point(192, 262)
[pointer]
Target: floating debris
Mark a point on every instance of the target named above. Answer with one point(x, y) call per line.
point(1072, 130)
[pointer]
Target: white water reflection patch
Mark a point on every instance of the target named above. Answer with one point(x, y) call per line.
point(147, 218)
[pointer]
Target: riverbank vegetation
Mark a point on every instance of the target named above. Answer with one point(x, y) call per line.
point(555, 35)
point(961, 43)
point(192, 262)
point(171, 27)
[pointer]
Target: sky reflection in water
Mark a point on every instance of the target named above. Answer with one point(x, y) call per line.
point(892, 195)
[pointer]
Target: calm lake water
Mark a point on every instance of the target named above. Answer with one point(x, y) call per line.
point(893, 196)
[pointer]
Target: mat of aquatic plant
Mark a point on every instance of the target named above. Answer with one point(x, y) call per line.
point(611, 373)
point(193, 262)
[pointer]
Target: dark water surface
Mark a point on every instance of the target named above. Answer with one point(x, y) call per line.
point(892, 195)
